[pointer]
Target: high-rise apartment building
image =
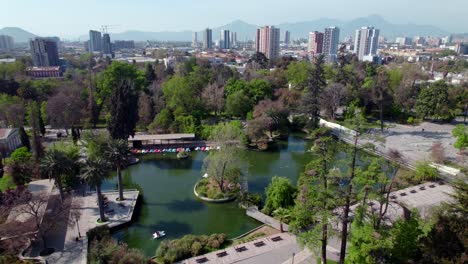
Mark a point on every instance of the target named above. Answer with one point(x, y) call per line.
point(287, 37)
point(106, 44)
point(315, 42)
point(225, 39)
point(233, 39)
point(6, 42)
point(207, 39)
point(267, 41)
point(44, 52)
point(95, 41)
point(366, 42)
point(331, 38)
point(195, 40)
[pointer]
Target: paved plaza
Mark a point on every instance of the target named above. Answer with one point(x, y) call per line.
point(85, 209)
point(415, 142)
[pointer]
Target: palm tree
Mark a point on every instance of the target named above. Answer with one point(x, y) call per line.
point(54, 165)
point(282, 215)
point(116, 153)
point(95, 171)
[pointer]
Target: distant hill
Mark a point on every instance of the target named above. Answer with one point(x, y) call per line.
point(19, 35)
point(348, 28)
point(246, 31)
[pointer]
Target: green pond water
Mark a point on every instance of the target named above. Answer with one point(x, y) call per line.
point(169, 203)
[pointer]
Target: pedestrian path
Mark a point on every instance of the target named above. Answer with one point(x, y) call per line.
point(266, 219)
point(254, 249)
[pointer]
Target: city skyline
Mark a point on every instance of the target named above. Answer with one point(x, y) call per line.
point(131, 16)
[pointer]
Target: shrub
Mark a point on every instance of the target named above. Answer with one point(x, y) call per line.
point(279, 193)
point(98, 233)
point(410, 120)
point(188, 246)
point(424, 171)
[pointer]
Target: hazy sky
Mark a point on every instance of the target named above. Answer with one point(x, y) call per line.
point(69, 18)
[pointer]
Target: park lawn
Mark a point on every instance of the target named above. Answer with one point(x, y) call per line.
point(6, 182)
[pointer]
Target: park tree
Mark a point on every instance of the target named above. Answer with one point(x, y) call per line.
point(145, 110)
point(367, 245)
point(59, 162)
point(358, 125)
point(123, 112)
point(162, 122)
point(95, 172)
point(259, 89)
point(238, 104)
point(117, 153)
point(65, 109)
point(313, 213)
point(332, 98)
point(24, 138)
point(461, 133)
point(381, 94)
point(437, 152)
point(223, 166)
point(20, 166)
point(150, 75)
point(260, 59)
point(280, 193)
point(213, 97)
point(272, 114)
point(36, 145)
point(316, 82)
point(433, 101)
point(297, 74)
point(113, 77)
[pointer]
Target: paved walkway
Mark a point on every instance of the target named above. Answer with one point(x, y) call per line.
point(266, 219)
point(85, 209)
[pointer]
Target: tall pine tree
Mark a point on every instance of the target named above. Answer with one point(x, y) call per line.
point(310, 98)
point(123, 111)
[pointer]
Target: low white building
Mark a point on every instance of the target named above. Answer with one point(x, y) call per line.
point(9, 141)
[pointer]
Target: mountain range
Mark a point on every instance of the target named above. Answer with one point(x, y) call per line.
point(246, 31)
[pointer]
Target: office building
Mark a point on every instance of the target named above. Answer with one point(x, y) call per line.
point(95, 41)
point(195, 39)
point(106, 45)
point(44, 52)
point(315, 42)
point(366, 42)
point(403, 41)
point(331, 38)
point(225, 39)
point(207, 39)
point(6, 42)
point(124, 44)
point(267, 41)
point(287, 37)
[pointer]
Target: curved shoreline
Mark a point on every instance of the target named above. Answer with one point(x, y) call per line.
point(206, 199)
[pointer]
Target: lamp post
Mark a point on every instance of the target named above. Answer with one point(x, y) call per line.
point(292, 261)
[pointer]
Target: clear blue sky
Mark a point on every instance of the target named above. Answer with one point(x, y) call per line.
point(71, 18)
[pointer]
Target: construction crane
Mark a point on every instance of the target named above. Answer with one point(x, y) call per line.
point(105, 28)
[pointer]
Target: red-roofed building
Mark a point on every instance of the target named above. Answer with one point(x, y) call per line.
point(44, 72)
